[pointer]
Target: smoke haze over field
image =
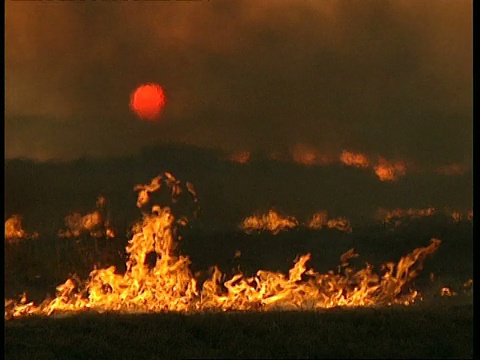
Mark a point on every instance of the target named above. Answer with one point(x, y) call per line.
point(389, 78)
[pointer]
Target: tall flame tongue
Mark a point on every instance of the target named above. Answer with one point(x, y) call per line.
point(167, 284)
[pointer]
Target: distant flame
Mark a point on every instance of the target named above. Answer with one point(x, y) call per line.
point(354, 159)
point(468, 284)
point(241, 157)
point(395, 217)
point(460, 216)
point(95, 223)
point(447, 291)
point(387, 171)
point(307, 155)
point(340, 223)
point(271, 221)
point(304, 155)
point(14, 230)
point(457, 216)
point(274, 222)
point(398, 216)
point(320, 220)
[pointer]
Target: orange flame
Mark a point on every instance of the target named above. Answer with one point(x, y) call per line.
point(340, 223)
point(306, 155)
point(354, 159)
point(447, 291)
point(169, 285)
point(276, 156)
point(387, 171)
point(14, 230)
point(468, 284)
point(457, 216)
point(320, 220)
point(275, 222)
point(397, 216)
point(95, 223)
point(271, 221)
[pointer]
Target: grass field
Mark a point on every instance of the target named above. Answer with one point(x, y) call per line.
point(437, 327)
point(443, 329)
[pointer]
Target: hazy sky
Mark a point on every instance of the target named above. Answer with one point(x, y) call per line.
point(390, 78)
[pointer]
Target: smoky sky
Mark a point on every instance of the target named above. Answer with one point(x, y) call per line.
point(390, 78)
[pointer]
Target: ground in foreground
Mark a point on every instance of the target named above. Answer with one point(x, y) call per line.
point(440, 330)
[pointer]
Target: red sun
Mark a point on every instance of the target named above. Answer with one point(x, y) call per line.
point(148, 101)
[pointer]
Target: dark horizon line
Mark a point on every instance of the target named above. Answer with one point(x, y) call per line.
point(221, 155)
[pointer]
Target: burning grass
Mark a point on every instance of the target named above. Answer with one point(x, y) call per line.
point(397, 217)
point(271, 221)
point(275, 222)
point(94, 224)
point(157, 279)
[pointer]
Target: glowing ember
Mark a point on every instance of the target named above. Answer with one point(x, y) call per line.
point(354, 159)
point(275, 222)
point(148, 101)
point(169, 285)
